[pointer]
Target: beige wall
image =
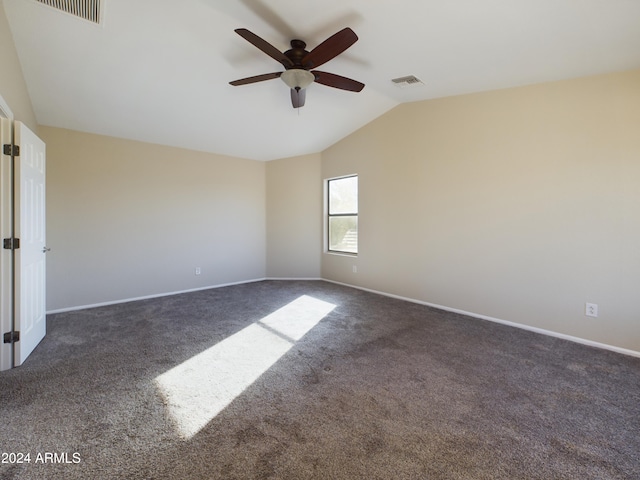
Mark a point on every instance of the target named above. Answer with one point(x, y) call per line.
point(128, 219)
point(12, 85)
point(519, 204)
point(294, 217)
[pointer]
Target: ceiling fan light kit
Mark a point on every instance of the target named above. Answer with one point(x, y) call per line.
point(297, 78)
point(298, 63)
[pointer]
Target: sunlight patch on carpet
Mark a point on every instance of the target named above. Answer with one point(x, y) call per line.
point(198, 389)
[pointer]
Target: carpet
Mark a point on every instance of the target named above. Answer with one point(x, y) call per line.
point(312, 380)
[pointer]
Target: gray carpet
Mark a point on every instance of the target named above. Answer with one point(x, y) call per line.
point(378, 389)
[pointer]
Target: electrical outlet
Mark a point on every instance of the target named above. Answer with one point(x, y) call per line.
point(355, 269)
point(198, 271)
point(591, 310)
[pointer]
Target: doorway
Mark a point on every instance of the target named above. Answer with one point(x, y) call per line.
point(23, 236)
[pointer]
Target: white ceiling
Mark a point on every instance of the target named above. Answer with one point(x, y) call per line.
point(158, 70)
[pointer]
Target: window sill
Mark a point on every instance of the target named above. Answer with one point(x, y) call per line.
point(341, 254)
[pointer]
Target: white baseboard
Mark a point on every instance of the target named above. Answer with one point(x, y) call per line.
point(157, 295)
point(313, 279)
point(542, 331)
point(166, 294)
point(550, 333)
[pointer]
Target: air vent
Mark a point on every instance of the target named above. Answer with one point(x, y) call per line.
point(86, 9)
point(408, 81)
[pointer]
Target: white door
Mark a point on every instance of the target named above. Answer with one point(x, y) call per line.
point(29, 227)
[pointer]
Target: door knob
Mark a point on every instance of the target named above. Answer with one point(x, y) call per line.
point(45, 249)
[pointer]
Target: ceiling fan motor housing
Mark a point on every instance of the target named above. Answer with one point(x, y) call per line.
point(297, 53)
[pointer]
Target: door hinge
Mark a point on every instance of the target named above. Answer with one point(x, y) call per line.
point(11, 243)
point(11, 150)
point(11, 337)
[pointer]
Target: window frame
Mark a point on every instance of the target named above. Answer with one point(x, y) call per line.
point(329, 216)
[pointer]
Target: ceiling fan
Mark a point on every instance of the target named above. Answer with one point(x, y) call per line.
point(298, 64)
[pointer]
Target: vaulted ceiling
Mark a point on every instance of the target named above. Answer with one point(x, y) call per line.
point(159, 70)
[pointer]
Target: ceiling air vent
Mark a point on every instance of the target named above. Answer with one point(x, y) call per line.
point(407, 82)
point(86, 9)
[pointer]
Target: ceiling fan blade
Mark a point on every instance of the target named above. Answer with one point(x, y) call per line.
point(330, 48)
point(265, 46)
point(298, 96)
point(337, 81)
point(257, 78)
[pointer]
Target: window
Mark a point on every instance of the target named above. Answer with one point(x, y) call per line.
point(342, 217)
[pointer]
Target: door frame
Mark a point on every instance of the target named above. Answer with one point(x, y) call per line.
point(6, 257)
point(5, 111)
